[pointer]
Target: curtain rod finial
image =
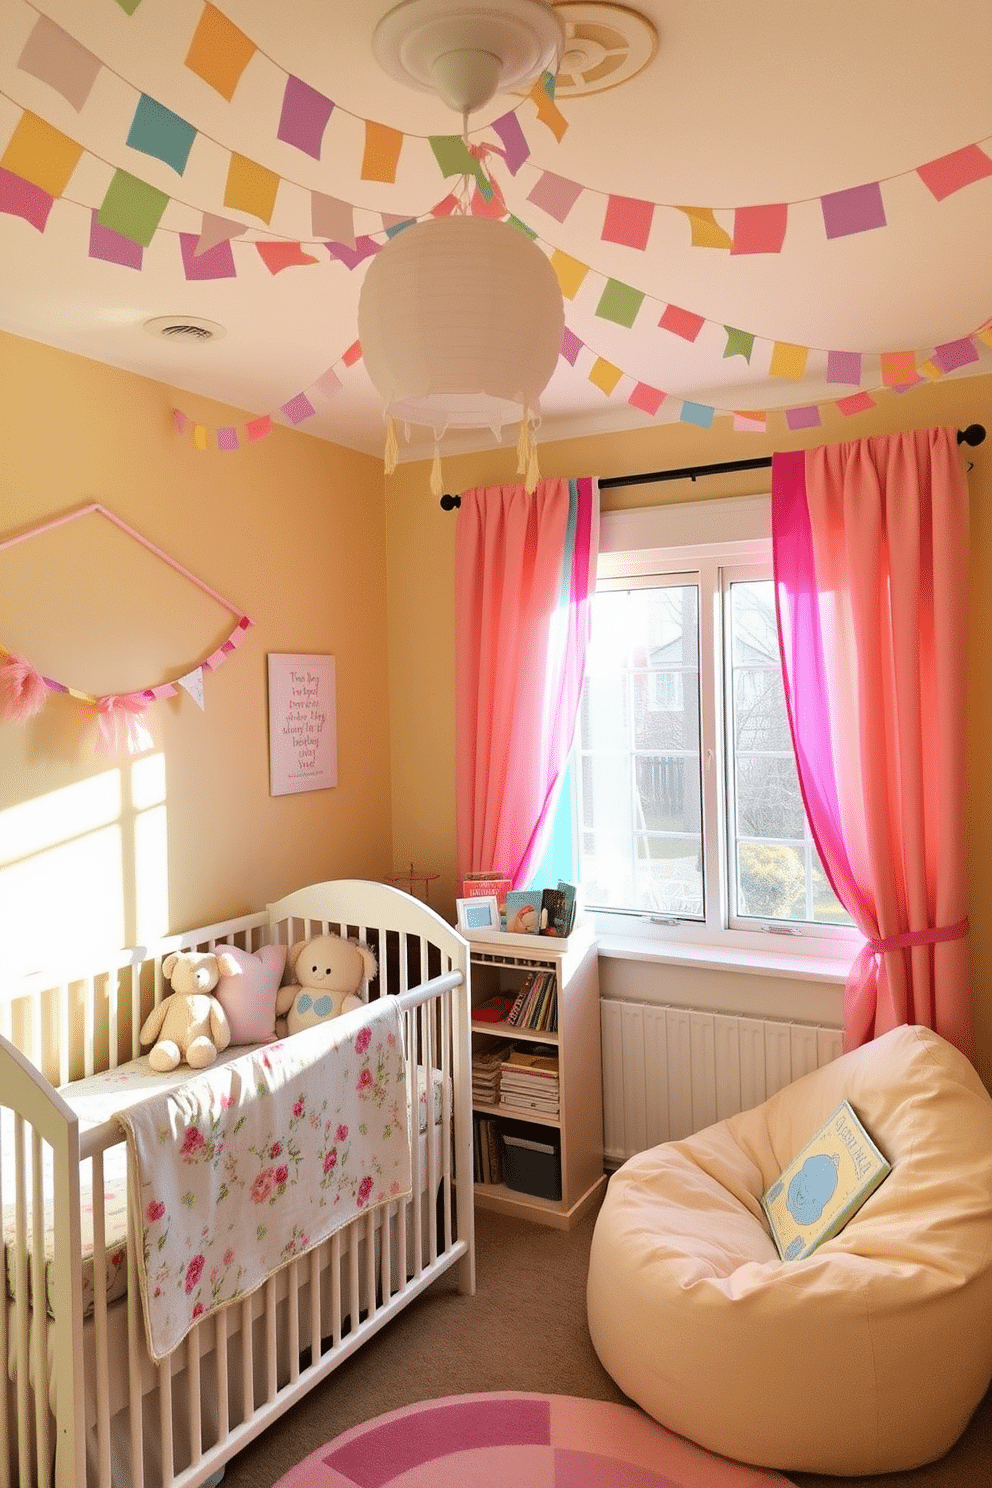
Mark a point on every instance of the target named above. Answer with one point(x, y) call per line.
point(448, 503)
point(974, 434)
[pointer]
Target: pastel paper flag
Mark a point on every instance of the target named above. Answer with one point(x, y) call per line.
point(856, 210)
point(393, 224)
point(382, 152)
point(328, 383)
point(304, 117)
point(259, 428)
point(112, 246)
point(706, 231)
point(515, 147)
point(515, 222)
point(41, 154)
point(213, 263)
point(446, 207)
point(452, 155)
point(570, 345)
point(298, 409)
point(749, 423)
point(898, 368)
point(554, 195)
point(681, 322)
point(697, 413)
point(214, 230)
point(570, 273)
point(331, 218)
point(605, 375)
point(627, 221)
point(279, 256)
point(955, 354)
point(56, 58)
point(803, 418)
point(788, 360)
point(844, 366)
point(19, 198)
point(352, 257)
point(157, 131)
point(547, 110)
point(760, 229)
point(129, 6)
point(250, 187)
point(856, 403)
point(219, 52)
point(132, 207)
point(227, 439)
point(931, 371)
point(193, 681)
point(353, 354)
point(619, 303)
point(180, 420)
point(985, 335)
point(739, 343)
point(648, 399)
point(952, 172)
point(200, 436)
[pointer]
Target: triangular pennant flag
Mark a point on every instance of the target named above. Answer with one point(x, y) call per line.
point(157, 131)
point(279, 256)
point(328, 383)
point(214, 230)
point(56, 58)
point(193, 683)
point(41, 154)
point(353, 354)
point(382, 152)
point(706, 231)
point(200, 436)
point(331, 218)
point(250, 187)
point(227, 439)
point(304, 117)
point(739, 343)
point(352, 257)
point(132, 207)
point(259, 428)
point(219, 52)
point(570, 273)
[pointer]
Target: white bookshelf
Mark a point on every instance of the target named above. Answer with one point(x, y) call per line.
point(500, 963)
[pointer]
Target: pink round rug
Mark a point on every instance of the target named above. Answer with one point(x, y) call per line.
point(527, 1440)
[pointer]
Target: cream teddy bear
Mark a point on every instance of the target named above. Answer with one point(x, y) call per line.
point(189, 1024)
point(332, 976)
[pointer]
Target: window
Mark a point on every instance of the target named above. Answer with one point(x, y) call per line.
point(688, 817)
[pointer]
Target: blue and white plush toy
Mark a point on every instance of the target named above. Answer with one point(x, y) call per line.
point(331, 976)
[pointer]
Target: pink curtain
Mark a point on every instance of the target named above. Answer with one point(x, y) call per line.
point(871, 580)
point(525, 569)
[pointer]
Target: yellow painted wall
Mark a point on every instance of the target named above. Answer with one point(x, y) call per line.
point(421, 609)
point(292, 532)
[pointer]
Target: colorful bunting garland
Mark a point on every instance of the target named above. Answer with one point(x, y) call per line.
point(24, 690)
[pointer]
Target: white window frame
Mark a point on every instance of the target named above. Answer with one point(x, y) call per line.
point(701, 538)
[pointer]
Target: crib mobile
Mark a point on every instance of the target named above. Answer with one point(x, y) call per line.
point(120, 716)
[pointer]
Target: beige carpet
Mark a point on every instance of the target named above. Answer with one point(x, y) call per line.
point(525, 1329)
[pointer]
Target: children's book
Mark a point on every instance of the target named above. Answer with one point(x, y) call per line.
point(815, 1196)
point(523, 912)
point(554, 913)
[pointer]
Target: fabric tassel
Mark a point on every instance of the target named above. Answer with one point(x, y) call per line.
point(22, 689)
point(437, 480)
point(392, 452)
point(523, 443)
point(122, 713)
point(533, 474)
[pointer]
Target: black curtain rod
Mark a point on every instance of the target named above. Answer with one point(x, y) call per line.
point(974, 434)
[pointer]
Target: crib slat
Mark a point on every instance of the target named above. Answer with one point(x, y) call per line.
point(223, 1383)
point(102, 1380)
point(39, 1312)
point(165, 1420)
point(133, 1331)
point(194, 1398)
point(21, 1364)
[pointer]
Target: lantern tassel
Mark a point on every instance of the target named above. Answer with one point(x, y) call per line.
point(523, 443)
point(533, 474)
point(437, 480)
point(22, 689)
point(391, 452)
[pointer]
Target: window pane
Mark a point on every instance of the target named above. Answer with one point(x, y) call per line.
point(641, 813)
point(779, 875)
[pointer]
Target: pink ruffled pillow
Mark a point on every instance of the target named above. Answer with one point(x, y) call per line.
point(248, 996)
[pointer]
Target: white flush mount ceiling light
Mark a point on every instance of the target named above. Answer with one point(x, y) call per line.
point(460, 318)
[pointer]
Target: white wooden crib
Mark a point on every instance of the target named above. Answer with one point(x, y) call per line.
point(83, 1403)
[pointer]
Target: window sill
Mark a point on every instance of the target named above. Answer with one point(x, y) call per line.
point(719, 958)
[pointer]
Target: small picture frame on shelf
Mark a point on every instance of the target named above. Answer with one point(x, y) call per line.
point(478, 913)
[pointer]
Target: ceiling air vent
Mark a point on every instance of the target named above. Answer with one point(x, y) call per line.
point(183, 330)
point(605, 46)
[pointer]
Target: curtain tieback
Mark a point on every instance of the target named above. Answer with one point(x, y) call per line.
point(919, 937)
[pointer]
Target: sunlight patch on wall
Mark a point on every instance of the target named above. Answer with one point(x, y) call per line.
point(151, 849)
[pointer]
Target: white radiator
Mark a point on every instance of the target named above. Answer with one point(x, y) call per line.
point(669, 1071)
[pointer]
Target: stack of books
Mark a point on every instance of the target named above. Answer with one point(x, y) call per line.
point(528, 1081)
point(536, 1004)
point(486, 1070)
point(488, 1151)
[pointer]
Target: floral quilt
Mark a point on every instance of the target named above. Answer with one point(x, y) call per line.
point(255, 1161)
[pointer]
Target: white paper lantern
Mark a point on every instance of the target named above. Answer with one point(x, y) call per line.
point(460, 321)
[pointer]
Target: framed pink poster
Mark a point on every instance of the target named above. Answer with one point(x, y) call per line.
point(303, 741)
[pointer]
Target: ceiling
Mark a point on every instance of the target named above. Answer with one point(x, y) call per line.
point(745, 103)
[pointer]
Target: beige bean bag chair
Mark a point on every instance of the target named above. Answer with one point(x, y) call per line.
point(870, 1355)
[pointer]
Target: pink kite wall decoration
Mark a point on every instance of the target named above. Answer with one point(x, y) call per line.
point(24, 689)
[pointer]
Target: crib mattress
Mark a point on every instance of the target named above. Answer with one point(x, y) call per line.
point(96, 1100)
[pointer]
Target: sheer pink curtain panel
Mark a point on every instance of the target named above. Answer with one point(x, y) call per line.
point(871, 559)
point(525, 569)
